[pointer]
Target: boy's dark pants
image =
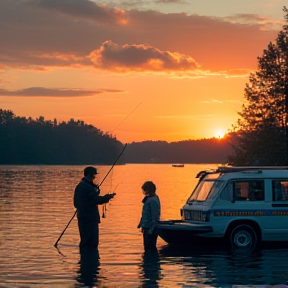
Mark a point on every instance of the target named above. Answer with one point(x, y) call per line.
point(150, 240)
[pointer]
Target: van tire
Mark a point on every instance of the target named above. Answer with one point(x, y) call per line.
point(243, 236)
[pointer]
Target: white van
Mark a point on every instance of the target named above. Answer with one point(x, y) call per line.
point(239, 205)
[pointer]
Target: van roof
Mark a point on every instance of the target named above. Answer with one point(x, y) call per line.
point(229, 169)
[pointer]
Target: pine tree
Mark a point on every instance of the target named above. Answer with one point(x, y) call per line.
point(261, 134)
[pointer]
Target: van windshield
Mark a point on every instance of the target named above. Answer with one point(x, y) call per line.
point(205, 190)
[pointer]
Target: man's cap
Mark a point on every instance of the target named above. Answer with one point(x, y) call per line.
point(90, 171)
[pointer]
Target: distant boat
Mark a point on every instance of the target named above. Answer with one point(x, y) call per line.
point(177, 165)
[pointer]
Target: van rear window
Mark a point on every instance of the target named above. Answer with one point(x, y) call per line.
point(280, 190)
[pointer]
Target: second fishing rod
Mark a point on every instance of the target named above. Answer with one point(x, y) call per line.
point(56, 243)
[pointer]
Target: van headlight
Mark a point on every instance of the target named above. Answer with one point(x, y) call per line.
point(205, 216)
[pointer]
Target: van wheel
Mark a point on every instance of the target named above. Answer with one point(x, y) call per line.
point(243, 236)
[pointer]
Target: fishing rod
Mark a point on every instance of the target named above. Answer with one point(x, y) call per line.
point(56, 243)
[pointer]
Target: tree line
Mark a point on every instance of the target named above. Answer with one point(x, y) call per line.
point(39, 141)
point(190, 151)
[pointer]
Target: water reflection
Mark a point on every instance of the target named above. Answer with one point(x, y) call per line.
point(218, 266)
point(151, 269)
point(36, 204)
point(89, 266)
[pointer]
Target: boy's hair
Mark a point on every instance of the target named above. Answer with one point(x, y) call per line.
point(149, 187)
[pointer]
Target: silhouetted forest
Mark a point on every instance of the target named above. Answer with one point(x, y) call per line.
point(28, 141)
point(190, 151)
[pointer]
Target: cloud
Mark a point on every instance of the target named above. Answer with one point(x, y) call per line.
point(253, 19)
point(186, 117)
point(215, 101)
point(146, 4)
point(48, 34)
point(141, 57)
point(48, 92)
point(211, 101)
point(83, 9)
point(178, 116)
point(172, 1)
point(238, 72)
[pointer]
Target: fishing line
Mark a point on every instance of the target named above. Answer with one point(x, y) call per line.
point(126, 117)
point(104, 209)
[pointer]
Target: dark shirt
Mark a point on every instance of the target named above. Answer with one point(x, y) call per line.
point(87, 199)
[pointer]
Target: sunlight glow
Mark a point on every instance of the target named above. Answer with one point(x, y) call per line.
point(219, 133)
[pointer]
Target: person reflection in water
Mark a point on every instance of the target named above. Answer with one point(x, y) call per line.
point(151, 269)
point(86, 201)
point(150, 216)
point(88, 267)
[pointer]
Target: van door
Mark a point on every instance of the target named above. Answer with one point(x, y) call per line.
point(247, 201)
point(278, 222)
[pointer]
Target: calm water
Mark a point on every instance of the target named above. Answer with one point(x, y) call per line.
point(36, 205)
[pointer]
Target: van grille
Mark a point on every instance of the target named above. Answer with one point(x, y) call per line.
point(196, 215)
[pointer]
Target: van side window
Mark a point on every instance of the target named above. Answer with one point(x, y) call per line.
point(252, 190)
point(227, 193)
point(280, 190)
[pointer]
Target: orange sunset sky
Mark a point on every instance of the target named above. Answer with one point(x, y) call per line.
point(141, 70)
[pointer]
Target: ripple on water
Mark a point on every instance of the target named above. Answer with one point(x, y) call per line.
point(36, 204)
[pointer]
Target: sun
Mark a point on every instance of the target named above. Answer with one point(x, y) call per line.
point(219, 133)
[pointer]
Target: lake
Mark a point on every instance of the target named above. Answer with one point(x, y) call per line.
point(36, 204)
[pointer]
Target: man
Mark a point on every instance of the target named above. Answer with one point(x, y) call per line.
point(86, 201)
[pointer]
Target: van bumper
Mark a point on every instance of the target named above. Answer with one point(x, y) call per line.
point(182, 232)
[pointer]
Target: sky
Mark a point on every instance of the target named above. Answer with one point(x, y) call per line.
point(140, 70)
